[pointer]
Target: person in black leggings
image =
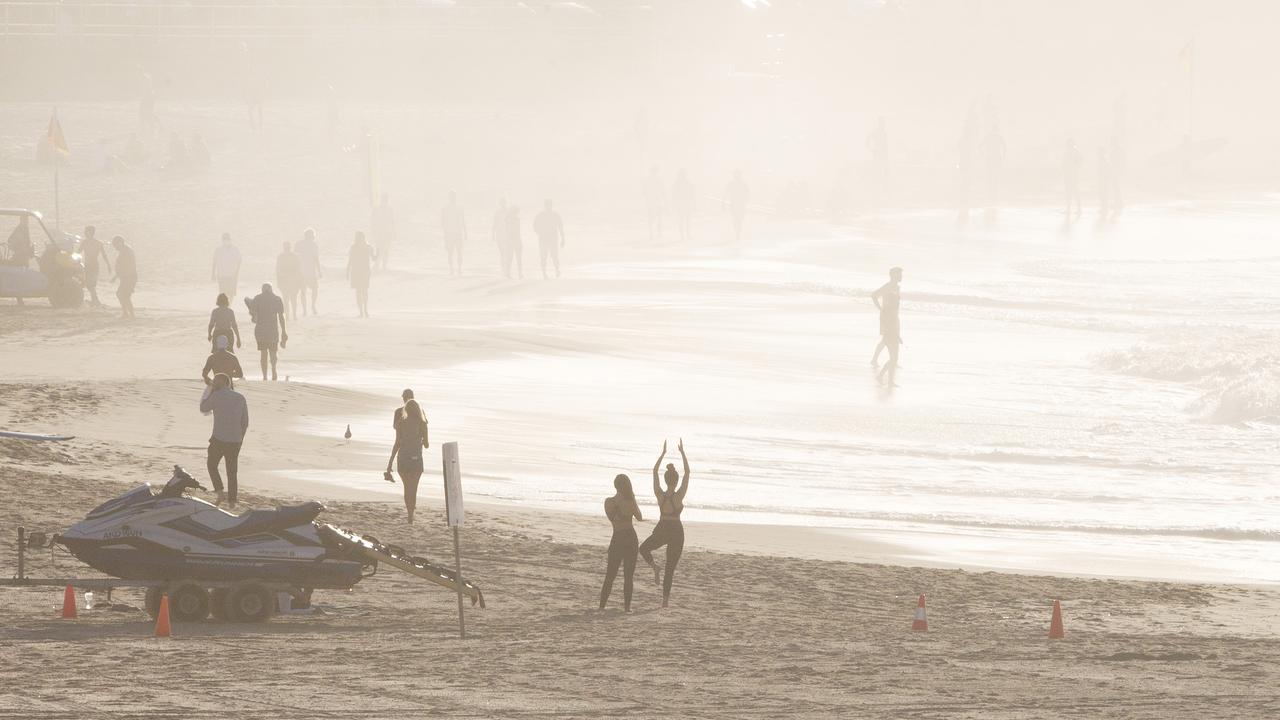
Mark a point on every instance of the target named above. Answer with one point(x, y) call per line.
point(670, 531)
point(620, 509)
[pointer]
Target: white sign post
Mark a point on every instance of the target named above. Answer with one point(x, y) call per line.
point(454, 515)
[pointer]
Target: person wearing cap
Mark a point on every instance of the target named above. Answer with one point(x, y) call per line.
point(221, 362)
point(267, 311)
point(410, 424)
point(230, 421)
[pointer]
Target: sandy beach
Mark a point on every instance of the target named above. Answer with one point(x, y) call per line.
point(795, 594)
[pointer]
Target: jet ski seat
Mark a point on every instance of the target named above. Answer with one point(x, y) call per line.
point(281, 518)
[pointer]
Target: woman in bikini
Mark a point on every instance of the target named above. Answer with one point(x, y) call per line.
point(670, 531)
point(620, 509)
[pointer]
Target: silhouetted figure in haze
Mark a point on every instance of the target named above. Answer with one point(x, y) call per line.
point(878, 146)
point(383, 226)
point(222, 323)
point(888, 300)
point(1072, 159)
point(148, 123)
point(267, 312)
point(289, 279)
point(653, 203)
point(92, 249)
point(221, 360)
point(453, 224)
point(669, 531)
point(252, 86)
point(226, 266)
point(360, 259)
point(21, 250)
point(682, 200)
point(1116, 160)
point(200, 158)
point(230, 423)
point(737, 195)
point(624, 545)
point(514, 243)
point(126, 274)
point(550, 231)
point(410, 425)
point(309, 263)
point(499, 230)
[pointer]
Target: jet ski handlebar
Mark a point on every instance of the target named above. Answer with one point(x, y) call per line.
point(179, 483)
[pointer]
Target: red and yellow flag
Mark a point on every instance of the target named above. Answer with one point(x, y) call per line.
point(55, 136)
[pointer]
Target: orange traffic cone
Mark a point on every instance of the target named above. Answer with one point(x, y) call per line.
point(162, 617)
point(920, 623)
point(1055, 625)
point(69, 603)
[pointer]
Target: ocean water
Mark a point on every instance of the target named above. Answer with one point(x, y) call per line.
point(1098, 398)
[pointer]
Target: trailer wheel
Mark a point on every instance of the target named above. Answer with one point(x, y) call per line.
point(249, 602)
point(218, 603)
point(152, 602)
point(188, 602)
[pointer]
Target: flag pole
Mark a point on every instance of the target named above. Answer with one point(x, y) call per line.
point(57, 210)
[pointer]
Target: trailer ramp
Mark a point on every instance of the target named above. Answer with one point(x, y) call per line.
point(369, 548)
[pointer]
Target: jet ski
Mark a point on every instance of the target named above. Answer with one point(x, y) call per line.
point(235, 567)
point(165, 535)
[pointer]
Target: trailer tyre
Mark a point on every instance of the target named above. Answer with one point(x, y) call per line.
point(188, 602)
point(250, 602)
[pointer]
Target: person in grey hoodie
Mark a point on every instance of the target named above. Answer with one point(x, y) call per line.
point(230, 421)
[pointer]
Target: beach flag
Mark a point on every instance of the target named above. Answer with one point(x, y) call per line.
point(921, 622)
point(55, 136)
point(1055, 624)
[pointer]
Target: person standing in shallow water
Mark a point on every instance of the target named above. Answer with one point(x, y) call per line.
point(888, 300)
point(91, 248)
point(624, 545)
point(453, 224)
point(359, 268)
point(550, 231)
point(669, 531)
point(126, 274)
point(289, 279)
point(410, 424)
point(309, 259)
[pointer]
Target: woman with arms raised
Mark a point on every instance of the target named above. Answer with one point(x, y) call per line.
point(669, 531)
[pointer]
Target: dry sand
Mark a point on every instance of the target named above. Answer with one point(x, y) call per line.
point(764, 622)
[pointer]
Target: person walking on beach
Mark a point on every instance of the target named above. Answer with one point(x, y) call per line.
point(226, 266)
point(267, 311)
point(222, 323)
point(309, 261)
point(289, 279)
point(230, 421)
point(736, 197)
point(669, 531)
point(360, 260)
point(453, 224)
point(887, 300)
point(410, 424)
point(515, 246)
point(91, 248)
point(550, 231)
point(383, 226)
point(682, 205)
point(221, 362)
point(126, 274)
point(624, 545)
point(1072, 159)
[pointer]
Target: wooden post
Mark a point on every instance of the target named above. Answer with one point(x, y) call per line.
point(22, 550)
point(454, 514)
point(457, 581)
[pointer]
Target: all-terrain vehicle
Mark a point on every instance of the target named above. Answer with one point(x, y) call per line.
point(36, 262)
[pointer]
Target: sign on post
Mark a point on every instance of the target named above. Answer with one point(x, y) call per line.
point(453, 512)
point(454, 515)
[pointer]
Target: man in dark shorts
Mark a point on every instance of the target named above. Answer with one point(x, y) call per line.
point(221, 362)
point(269, 330)
point(230, 421)
point(550, 231)
point(309, 257)
point(453, 223)
point(126, 274)
point(887, 300)
point(91, 248)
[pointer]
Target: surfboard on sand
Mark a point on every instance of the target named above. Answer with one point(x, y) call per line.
point(34, 436)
